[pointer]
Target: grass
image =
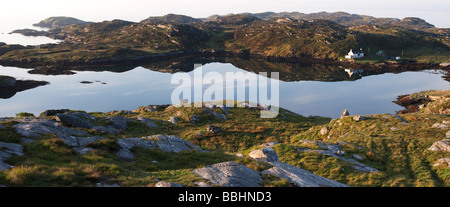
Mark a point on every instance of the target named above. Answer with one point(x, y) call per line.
point(400, 155)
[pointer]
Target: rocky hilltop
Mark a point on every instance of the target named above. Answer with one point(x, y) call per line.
point(169, 146)
point(53, 22)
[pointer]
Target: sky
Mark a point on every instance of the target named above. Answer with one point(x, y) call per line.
point(435, 12)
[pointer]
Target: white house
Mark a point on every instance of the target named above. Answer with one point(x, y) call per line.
point(357, 54)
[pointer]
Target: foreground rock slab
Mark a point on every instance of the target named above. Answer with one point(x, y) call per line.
point(166, 143)
point(300, 177)
point(230, 174)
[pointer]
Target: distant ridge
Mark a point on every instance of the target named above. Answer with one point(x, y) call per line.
point(171, 18)
point(346, 19)
point(53, 22)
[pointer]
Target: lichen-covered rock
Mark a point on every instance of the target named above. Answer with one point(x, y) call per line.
point(300, 177)
point(230, 174)
point(39, 127)
point(108, 129)
point(215, 114)
point(149, 108)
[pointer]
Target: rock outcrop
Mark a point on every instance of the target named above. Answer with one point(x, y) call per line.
point(73, 120)
point(119, 122)
point(230, 174)
point(300, 177)
point(78, 139)
point(164, 184)
point(335, 150)
point(8, 150)
point(215, 114)
point(442, 161)
point(264, 155)
point(166, 143)
point(213, 129)
point(345, 113)
point(53, 112)
point(149, 122)
point(443, 145)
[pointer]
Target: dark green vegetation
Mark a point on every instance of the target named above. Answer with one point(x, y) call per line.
point(322, 36)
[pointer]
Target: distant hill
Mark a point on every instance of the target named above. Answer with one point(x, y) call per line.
point(347, 19)
point(171, 18)
point(233, 19)
point(53, 22)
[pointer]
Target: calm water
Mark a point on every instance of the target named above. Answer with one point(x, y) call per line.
point(138, 87)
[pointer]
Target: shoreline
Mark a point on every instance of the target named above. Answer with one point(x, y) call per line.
point(384, 66)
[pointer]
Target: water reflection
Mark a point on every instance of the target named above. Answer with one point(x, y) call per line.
point(307, 90)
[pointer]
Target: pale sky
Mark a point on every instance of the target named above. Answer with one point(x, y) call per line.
point(434, 11)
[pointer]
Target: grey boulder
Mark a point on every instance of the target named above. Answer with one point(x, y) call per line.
point(119, 122)
point(73, 120)
point(264, 155)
